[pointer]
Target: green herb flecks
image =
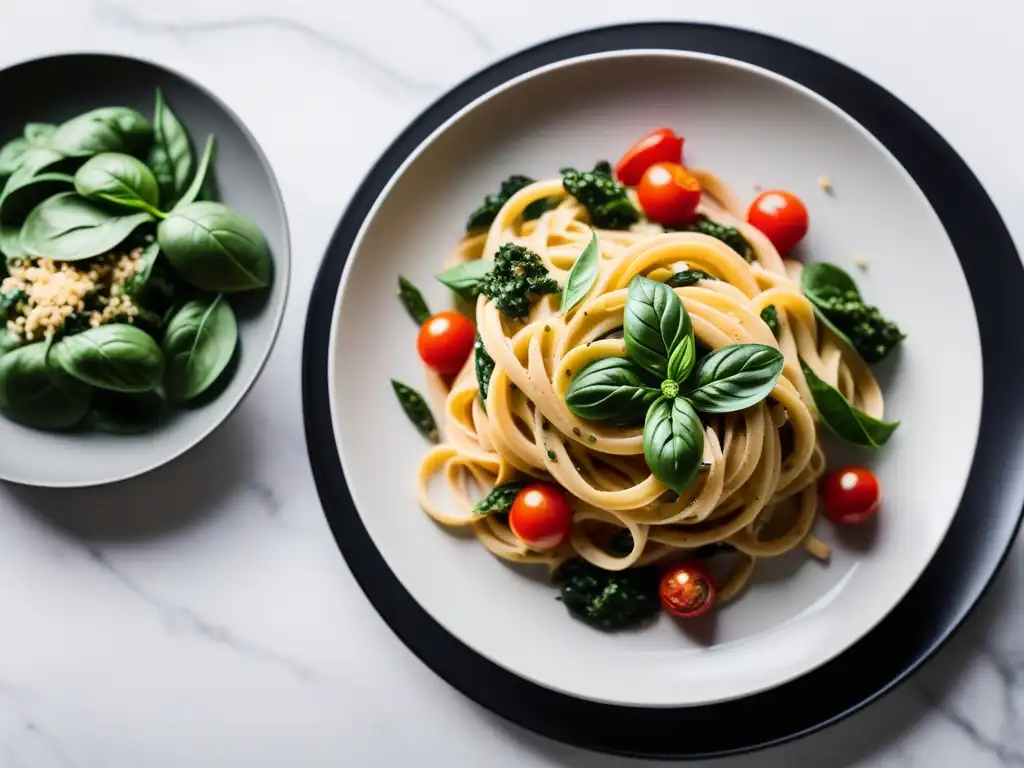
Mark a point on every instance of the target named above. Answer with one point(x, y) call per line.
point(416, 409)
point(688, 277)
point(499, 500)
point(517, 275)
point(484, 366)
point(608, 600)
point(413, 301)
point(606, 201)
point(486, 213)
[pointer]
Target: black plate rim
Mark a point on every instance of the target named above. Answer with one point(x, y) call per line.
point(934, 609)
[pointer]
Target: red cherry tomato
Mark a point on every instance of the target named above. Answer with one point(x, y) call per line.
point(669, 194)
point(687, 590)
point(445, 341)
point(658, 146)
point(781, 216)
point(852, 495)
point(541, 516)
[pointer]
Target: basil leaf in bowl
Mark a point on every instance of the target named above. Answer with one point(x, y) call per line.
point(116, 357)
point(215, 248)
point(36, 392)
point(120, 179)
point(107, 129)
point(171, 158)
point(198, 345)
point(67, 227)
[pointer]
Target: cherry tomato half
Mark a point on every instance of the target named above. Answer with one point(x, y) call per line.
point(658, 146)
point(687, 590)
point(781, 216)
point(852, 495)
point(445, 341)
point(669, 194)
point(541, 516)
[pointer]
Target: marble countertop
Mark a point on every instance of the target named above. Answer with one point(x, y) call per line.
point(202, 616)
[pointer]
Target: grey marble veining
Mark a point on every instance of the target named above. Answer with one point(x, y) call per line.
point(202, 616)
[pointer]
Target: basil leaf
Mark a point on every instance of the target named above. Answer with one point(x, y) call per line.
point(688, 277)
point(120, 179)
point(67, 227)
point(413, 301)
point(658, 332)
point(117, 357)
point(583, 274)
point(36, 392)
point(215, 248)
point(673, 442)
point(819, 278)
point(484, 365)
point(610, 389)
point(136, 284)
point(499, 500)
point(416, 409)
point(199, 342)
point(11, 155)
point(191, 194)
point(10, 241)
point(107, 129)
point(29, 185)
point(467, 279)
point(171, 157)
point(847, 422)
point(39, 134)
point(735, 377)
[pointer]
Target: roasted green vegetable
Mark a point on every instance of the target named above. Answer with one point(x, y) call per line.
point(608, 599)
point(484, 366)
point(688, 277)
point(413, 301)
point(485, 214)
point(518, 273)
point(607, 201)
point(728, 235)
point(499, 500)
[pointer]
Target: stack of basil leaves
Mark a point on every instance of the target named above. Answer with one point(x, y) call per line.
point(663, 385)
point(113, 181)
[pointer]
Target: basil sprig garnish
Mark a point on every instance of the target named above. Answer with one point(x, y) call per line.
point(846, 421)
point(467, 279)
point(662, 376)
point(583, 274)
point(612, 389)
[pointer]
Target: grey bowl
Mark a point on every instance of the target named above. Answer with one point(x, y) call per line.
point(56, 88)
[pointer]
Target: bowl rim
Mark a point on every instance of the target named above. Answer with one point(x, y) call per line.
point(282, 266)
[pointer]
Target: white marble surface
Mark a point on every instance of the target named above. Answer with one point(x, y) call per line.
point(202, 615)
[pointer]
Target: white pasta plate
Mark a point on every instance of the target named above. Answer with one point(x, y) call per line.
point(752, 129)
